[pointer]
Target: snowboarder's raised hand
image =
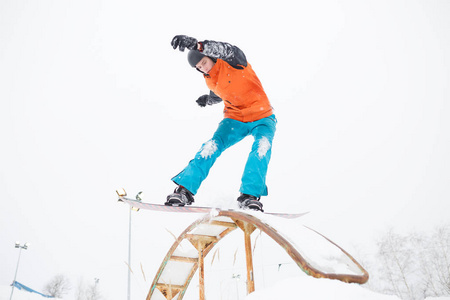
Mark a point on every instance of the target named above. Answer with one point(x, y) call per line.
point(202, 100)
point(183, 41)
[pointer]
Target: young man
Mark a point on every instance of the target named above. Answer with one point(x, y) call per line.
point(247, 111)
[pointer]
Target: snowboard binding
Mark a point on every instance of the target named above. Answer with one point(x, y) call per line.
point(180, 197)
point(249, 202)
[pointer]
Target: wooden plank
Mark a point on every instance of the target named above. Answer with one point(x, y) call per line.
point(223, 224)
point(172, 286)
point(192, 260)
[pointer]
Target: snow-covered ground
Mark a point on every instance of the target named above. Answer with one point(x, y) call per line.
point(320, 289)
point(292, 288)
point(5, 293)
point(316, 289)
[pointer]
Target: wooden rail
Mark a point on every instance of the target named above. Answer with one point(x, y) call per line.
point(225, 222)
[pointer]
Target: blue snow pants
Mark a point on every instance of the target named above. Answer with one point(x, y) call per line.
point(228, 133)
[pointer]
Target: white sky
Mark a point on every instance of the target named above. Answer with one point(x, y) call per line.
point(93, 98)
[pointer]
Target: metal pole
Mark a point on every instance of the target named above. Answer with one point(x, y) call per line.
point(15, 275)
point(129, 256)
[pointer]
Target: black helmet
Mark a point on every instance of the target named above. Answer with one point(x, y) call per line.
point(194, 56)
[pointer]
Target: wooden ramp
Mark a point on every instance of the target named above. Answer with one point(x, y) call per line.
point(179, 265)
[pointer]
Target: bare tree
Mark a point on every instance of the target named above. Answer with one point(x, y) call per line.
point(396, 254)
point(435, 263)
point(413, 266)
point(92, 292)
point(80, 290)
point(88, 292)
point(58, 286)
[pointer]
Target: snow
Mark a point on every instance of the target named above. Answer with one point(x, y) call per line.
point(175, 273)
point(263, 147)
point(203, 229)
point(208, 149)
point(305, 288)
point(316, 289)
point(5, 293)
point(186, 249)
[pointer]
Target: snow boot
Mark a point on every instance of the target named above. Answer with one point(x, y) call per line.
point(180, 197)
point(249, 202)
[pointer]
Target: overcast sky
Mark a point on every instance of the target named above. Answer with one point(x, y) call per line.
point(93, 98)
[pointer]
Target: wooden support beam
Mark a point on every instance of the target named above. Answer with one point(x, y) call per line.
point(249, 259)
point(168, 290)
point(184, 259)
point(201, 275)
point(248, 230)
point(201, 242)
point(222, 223)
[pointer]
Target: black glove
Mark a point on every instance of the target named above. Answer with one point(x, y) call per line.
point(202, 100)
point(183, 41)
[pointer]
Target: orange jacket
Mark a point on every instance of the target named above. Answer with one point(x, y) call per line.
point(240, 90)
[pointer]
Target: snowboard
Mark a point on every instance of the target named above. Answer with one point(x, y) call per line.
point(138, 204)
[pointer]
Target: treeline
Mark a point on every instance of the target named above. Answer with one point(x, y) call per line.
point(412, 266)
point(60, 285)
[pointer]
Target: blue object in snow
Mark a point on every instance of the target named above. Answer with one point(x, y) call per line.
point(20, 286)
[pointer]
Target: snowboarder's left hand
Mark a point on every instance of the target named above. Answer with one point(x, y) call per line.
point(202, 100)
point(183, 41)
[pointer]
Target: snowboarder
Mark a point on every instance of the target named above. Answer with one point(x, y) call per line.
point(247, 111)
